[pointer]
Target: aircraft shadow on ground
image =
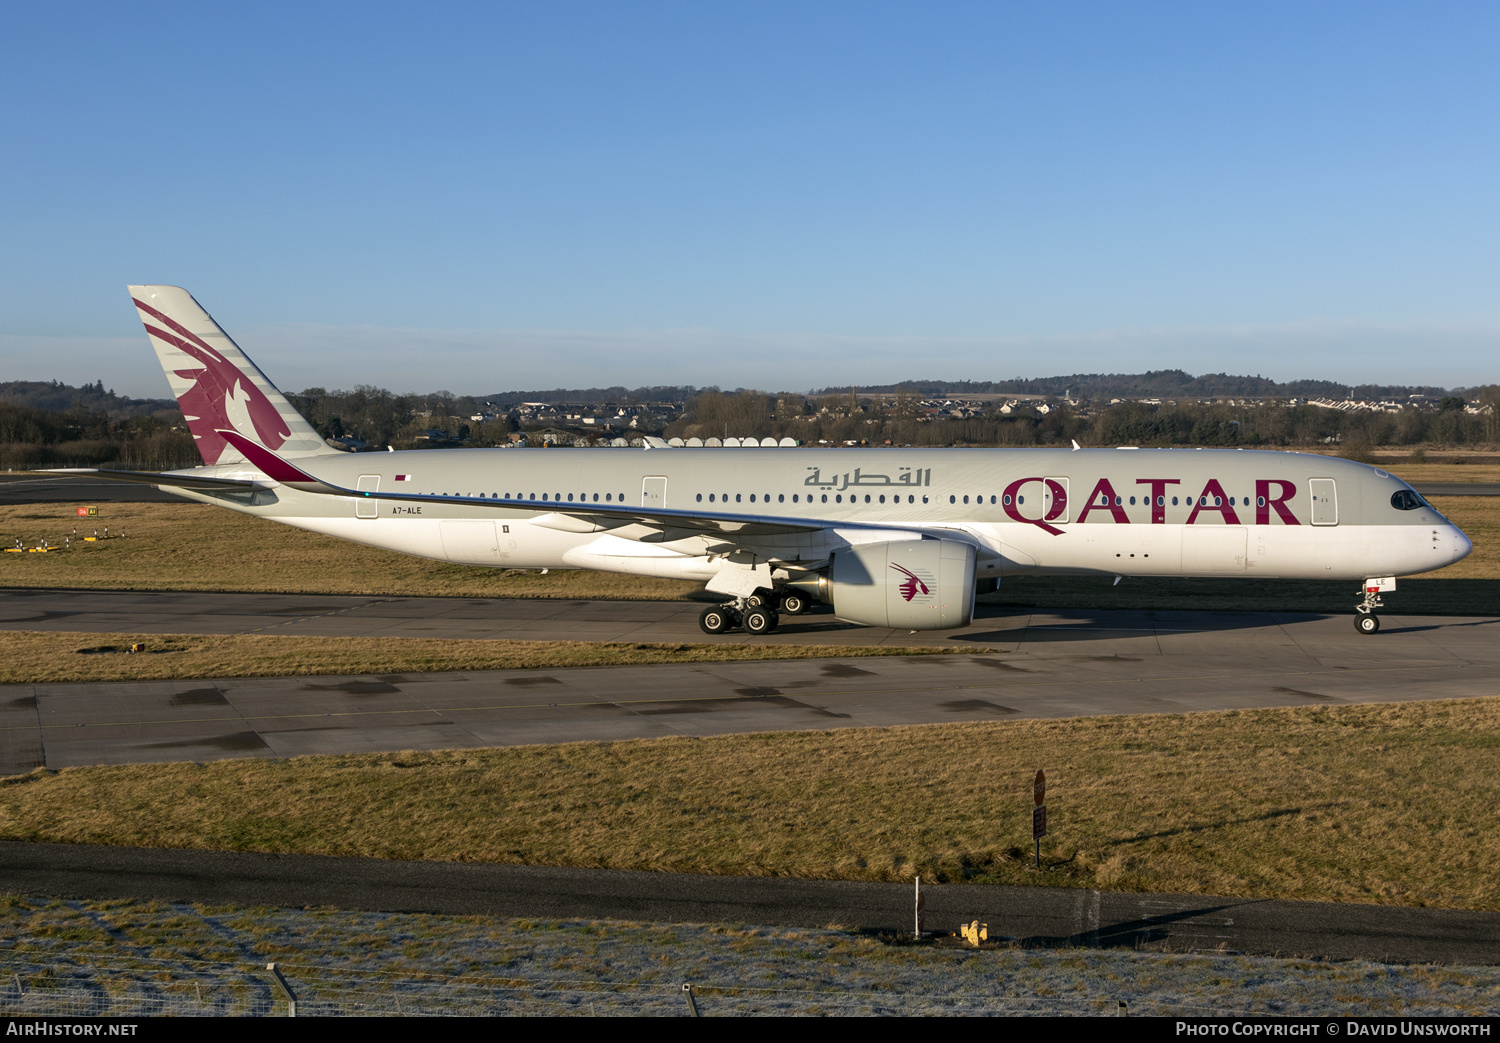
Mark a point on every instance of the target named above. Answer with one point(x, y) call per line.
point(1441, 626)
point(1063, 626)
point(1203, 827)
point(1127, 934)
point(1085, 627)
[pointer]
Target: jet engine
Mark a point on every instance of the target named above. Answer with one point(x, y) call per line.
point(906, 585)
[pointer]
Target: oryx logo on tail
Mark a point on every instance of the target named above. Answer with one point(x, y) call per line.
point(217, 387)
point(221, 396)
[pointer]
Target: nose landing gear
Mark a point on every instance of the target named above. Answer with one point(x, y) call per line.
point(1365, 619)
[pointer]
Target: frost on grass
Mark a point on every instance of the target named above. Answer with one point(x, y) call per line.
point(129, 958)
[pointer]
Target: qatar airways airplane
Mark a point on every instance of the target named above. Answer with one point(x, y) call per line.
point(900, 538)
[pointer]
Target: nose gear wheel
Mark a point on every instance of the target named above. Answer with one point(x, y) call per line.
point(1365, 619)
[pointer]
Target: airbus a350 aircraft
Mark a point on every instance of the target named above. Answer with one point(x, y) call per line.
point(899, 538)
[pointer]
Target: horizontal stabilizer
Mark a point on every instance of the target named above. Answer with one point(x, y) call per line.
point(199, 482)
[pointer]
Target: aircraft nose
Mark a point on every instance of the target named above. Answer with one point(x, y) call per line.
point(1461, 545)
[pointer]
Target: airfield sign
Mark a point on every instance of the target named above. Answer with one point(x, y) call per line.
point(1039, 813)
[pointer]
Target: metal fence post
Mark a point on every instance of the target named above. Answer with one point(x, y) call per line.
point(286, 990)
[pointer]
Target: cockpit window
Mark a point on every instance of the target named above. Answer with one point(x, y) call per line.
point(1406, 500)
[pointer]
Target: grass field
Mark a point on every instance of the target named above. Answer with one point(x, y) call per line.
point(169, 546)
point(1419, 473)
point(133, 959)
point(32, 657)
point(1386, 804)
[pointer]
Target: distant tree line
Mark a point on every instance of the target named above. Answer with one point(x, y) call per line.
point(57, 397)
point(380, 418)
point(1165, 383)
point(129, 437)
point(640, 395)
point(900, 420)
point(32, 438)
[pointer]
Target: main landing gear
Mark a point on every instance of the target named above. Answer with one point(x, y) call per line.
point(756, 619)
point(794, 603)
point(1365, 619)
point(718, 619)
point(760, 613)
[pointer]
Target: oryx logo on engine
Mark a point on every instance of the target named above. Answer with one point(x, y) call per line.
point(914, 584)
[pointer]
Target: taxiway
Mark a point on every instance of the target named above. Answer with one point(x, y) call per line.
point(1033, 664)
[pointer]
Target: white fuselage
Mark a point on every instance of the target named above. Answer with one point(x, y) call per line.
point(1116, 511)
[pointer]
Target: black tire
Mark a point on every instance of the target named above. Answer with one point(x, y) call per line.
point(794, 603)
point(715, 620)
point(1367, 622)
point(757, 600)
point(759, 621)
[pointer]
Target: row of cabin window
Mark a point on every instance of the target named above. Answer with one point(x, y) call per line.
point(1161, 501)
point(798, 498)
point(551, 497)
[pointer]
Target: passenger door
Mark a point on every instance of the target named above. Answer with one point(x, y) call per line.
point(363, 507)
point(654, 492)
point(1325, 501)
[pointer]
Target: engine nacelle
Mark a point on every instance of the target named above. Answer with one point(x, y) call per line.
point(905, 584)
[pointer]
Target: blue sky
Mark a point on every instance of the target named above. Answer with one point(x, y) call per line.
point(489, 196)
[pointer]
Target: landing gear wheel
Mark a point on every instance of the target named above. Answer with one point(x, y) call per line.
point(757, 600)
point(1365, 619)
point(715, 620)
point(794, 604)
point(759, 621)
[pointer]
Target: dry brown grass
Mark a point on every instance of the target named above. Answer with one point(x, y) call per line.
point(1386, 804)
point(33, 657)
point(188, 546)
point(1419, 473)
